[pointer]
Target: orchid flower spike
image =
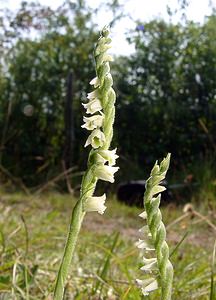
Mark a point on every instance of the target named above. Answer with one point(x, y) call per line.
point(154, 234)
point(100, 105)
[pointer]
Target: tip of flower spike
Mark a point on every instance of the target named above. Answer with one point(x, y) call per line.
point(105, 31)
point(164, 165)
point(155, 169)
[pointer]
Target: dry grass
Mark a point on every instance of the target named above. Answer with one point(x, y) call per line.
point(32, 236)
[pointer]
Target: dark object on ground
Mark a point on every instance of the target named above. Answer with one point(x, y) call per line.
point(131, 192)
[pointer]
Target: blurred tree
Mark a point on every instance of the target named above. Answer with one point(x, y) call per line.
point(37, 69)
point(166, 89)
point(166, 93)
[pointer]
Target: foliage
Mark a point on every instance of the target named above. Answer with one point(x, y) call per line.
point(36, 86)
point(166, 90)
point(167, 93)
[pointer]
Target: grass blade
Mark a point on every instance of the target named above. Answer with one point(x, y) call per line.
point(213, 288)
point(105, 267)
point(179, 243)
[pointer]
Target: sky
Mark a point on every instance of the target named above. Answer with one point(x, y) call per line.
point(144, 10)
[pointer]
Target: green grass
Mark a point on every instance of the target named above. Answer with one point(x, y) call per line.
point(106, 264)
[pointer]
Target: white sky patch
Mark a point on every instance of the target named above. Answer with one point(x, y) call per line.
point(144, 10)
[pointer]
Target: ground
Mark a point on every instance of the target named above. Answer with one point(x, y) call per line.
point(33, 229)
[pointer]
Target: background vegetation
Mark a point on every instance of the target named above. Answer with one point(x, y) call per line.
point(166, 92)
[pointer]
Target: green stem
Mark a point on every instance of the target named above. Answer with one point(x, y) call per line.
point(87, 189)
point(75, 225)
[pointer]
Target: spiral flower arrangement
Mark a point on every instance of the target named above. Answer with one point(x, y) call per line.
point(100, 109)
point(159, 267)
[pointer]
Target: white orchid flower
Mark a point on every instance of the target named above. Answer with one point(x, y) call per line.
point(145, 245)
point(95, 82)
point(108, 57)
point(105, 173)
point(93, 106)
point(150, 264)
point(109, 156)
point(147, 285)
point(96, 139)
point(95, 204)
point(93, 122)
point(92, 95)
